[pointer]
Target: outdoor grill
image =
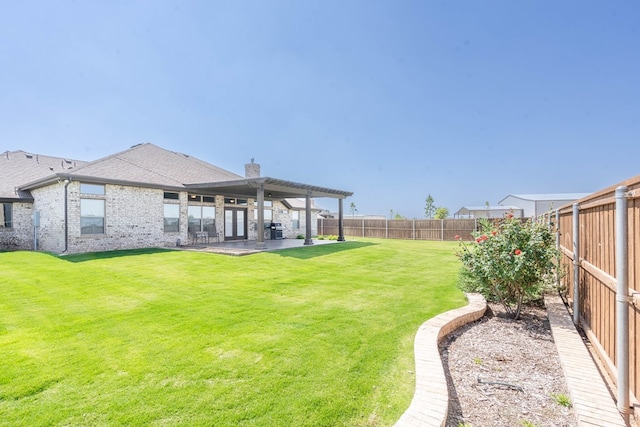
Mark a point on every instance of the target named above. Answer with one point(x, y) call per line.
point(276, 231)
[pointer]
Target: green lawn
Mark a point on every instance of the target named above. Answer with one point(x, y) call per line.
point(316, 336)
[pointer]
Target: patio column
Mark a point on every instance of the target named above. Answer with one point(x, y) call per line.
point(307, 239)
point(260, 244)
point(340, 221)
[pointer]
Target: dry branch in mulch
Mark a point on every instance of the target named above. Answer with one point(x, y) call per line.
point(503, 372)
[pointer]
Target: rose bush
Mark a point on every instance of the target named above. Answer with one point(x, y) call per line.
point(510, 262)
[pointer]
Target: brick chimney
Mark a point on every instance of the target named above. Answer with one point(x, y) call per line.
point(252, 170)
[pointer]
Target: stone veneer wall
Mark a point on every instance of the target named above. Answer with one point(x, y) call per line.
point(282, 214)
point(20, 235)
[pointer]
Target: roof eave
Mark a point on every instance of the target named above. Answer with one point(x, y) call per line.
point(94, 180)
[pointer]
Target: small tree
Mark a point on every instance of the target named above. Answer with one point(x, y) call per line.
point(429, 207)
point(353, 209)
point(510, 263)
point(441, 213)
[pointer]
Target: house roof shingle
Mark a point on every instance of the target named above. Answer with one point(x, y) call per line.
point(148, 165)
point(155, 166)
point(19, 167)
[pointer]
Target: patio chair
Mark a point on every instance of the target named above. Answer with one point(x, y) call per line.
point(193, 234)
point(211, 230)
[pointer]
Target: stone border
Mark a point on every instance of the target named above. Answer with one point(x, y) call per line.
point(592, 402)
point(430, 403)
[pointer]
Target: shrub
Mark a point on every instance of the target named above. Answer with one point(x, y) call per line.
point(509, 262)
point(300, 236)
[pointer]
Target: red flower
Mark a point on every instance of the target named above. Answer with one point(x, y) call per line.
point(509, 215)
point(518, 252)
point(457, 237)
point(494, 232)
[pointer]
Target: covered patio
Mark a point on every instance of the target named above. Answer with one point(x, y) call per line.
point(266, 188)
point(248, 247)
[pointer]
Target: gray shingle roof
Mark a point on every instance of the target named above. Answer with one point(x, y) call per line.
point(151, 165)
point(147, 165)
point(19, 167)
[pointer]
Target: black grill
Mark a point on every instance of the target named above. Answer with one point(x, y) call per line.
point(276, 231)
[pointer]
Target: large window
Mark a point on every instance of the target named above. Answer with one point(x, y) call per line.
point(6, 215)
point(201, 218)
point(92, 208)
point(91, 216)
point(171, 218)
point(268, 212)
point(295, 219)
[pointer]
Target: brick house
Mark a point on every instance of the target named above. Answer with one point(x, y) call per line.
point(145, 196)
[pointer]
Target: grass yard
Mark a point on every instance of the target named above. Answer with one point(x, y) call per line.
point(316, 336)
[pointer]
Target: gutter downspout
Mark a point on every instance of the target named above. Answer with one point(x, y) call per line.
point(66, 215)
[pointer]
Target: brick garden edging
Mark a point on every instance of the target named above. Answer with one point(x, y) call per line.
point(430, 403)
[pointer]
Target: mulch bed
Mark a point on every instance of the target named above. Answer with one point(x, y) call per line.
point(503, 372)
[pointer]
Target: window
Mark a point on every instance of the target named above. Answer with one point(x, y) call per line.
point(239, 202)
point(171, 196)
point(268, 215)
point(91, 216)
point(92, 189)
point(295, 219)
point(171, 218)
point(201, 218)
point(195, 198)
point(6, 215)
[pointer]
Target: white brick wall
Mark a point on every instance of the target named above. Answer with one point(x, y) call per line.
point(20, 235)
point(134, 218)
point(49, 201)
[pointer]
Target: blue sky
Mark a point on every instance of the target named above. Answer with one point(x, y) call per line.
point(468, 101)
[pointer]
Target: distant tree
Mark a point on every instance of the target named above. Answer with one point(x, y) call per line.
point(353, 209)
point(390, 213)
point(429, 207)
point(441, 213)
point(398, 216)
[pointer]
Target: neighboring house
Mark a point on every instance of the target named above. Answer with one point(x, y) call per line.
point(488, 212)
point(145, 196)
point(538, 204)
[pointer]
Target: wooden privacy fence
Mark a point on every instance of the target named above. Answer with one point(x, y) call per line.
point(590, 229)
point(410, 229)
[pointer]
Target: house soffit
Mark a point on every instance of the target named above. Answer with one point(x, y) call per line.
point(273, 189)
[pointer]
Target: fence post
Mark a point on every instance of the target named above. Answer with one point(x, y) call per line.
point(442, 229)
point(362, 226)
point(622, 301)
point(413, 226)
point(386, 228)
point(558, 264)
point(576, 262)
